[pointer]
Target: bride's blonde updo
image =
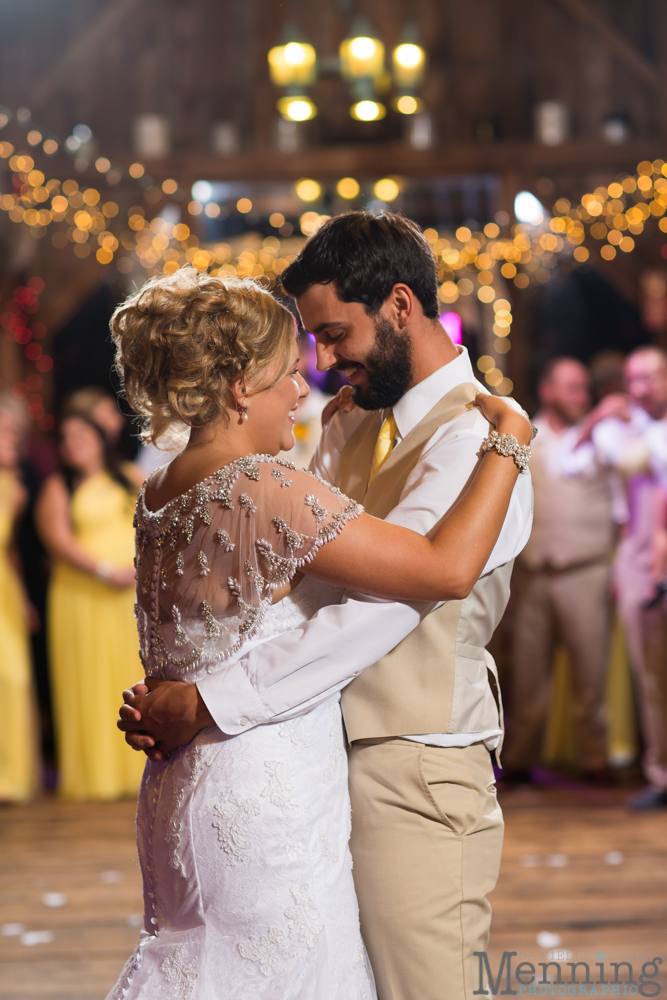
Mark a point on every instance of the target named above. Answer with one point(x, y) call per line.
point(182, 339)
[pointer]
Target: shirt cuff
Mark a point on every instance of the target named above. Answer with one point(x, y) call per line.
point(232, 700)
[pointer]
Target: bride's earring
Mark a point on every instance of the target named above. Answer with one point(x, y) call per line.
point(243, 407)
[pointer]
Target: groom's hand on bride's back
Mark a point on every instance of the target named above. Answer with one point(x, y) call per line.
point(159, 716)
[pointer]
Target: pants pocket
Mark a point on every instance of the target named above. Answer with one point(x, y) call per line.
point(459, 784)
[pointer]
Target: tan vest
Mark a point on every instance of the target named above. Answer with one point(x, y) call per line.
point(573, 521)
point(437, 679)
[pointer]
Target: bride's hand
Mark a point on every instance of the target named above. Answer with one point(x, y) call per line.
point(341, 401)
point(506, 416)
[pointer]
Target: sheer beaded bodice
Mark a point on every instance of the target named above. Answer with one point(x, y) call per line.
point(210, 561)
point(243, 841)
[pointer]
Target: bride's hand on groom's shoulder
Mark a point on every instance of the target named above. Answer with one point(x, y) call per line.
point(341, 401)
point(506, 416)
point(159, 716)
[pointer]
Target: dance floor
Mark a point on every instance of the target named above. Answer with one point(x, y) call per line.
point(582, 879)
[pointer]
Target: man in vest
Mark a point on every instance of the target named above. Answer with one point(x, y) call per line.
point(566, 576)
point(420, 713)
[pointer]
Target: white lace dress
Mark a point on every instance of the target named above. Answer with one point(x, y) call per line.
point(243, 841)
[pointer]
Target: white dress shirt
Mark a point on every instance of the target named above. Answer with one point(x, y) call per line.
point(563, 459)
point(622, 444)
point(286, 676)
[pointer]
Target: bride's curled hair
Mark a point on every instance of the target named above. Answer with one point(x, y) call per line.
point(183, 338)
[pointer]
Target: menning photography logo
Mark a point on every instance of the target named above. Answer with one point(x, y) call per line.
point(607, 978)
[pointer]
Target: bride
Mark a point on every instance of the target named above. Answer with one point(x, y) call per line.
point(243, 841)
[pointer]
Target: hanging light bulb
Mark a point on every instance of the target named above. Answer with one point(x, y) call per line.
point(368, 111)
point(408, 105)
point(362, 64)
point(293, 64)
point(298, 108)
point(408, 63)
point(362, 55)
point(408, 67)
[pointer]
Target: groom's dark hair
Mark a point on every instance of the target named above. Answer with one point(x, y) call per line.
point(364, 254)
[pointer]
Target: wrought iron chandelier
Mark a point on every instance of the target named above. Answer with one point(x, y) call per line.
point(294, 68)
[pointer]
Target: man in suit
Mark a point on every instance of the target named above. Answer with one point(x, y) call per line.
point(420, 700)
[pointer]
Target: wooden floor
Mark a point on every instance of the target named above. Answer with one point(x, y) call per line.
point(556, 881)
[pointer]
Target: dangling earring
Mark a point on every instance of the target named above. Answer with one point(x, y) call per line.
point(243, 408)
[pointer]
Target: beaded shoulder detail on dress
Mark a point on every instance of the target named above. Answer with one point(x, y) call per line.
point(210, 560)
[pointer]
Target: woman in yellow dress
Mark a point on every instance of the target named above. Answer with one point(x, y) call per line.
point(17, 735)
point(84, 515)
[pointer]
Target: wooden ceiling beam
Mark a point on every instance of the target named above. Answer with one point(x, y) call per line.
point(627, 53)
point(80, 49)
point(381, 160)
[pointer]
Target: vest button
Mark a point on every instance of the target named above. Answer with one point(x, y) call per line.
point(244, 720)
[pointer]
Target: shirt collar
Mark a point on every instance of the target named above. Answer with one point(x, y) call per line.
point(418, 401)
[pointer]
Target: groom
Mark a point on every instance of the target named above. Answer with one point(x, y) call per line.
point(420, 699)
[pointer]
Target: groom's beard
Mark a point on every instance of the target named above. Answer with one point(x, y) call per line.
point(388, 369)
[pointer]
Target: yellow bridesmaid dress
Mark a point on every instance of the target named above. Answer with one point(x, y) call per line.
point(93, 649)
point(17, 747)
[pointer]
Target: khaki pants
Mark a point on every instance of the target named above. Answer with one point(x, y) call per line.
point(573, 605)
point(427, 835)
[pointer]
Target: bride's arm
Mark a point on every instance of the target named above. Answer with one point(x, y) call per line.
point(390, 561)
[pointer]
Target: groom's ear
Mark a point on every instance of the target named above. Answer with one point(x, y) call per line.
point(401, 305)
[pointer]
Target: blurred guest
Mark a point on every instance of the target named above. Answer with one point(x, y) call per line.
point(566, 568)
point(84, 515)
point(32, 559)
point(628, 445)
point(17, 736)
point(100, 406)
point(606, 368)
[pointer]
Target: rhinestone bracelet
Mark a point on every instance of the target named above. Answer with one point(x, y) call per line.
point(508, 446)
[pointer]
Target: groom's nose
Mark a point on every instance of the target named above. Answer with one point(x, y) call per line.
point(326, 356)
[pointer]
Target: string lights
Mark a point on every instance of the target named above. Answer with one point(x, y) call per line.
point(470, 262)
point(17, 321)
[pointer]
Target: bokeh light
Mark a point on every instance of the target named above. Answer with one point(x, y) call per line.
point(386, 189)
point(307, 189)
point(408, 105)
point(348, 188)
point(528, 209)
point(202, 191)
point(368, 111)
point(296, 109)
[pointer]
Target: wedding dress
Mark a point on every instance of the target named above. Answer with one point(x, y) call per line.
point(243, 840)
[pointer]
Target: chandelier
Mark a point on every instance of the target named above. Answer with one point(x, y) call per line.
point(293, 67)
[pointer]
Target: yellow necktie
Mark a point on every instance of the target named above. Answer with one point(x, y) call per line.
point(384, 445)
